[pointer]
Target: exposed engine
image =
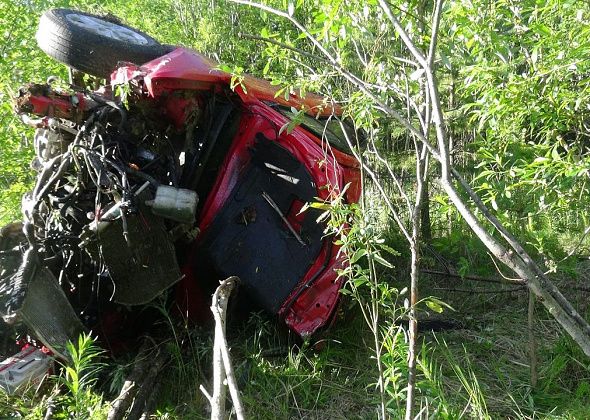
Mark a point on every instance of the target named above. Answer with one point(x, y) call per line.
point(105, 211)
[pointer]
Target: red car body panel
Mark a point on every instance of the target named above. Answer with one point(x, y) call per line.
point(312, 303)
point(187, 69)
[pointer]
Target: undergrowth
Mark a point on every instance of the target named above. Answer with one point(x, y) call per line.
point(479, 368)
point(70, 393)
point(477, 371)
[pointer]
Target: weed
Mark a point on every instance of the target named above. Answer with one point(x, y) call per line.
point(79, 377)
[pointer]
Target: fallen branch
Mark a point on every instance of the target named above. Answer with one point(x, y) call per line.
point(472, 277)
point(51, 405)
point(222, 367)
point(132, 384)
point(486, 291)
point(142, 405)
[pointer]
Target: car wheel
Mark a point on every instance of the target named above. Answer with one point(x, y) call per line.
point(94, 44)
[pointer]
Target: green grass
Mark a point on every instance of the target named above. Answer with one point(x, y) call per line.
point(481, 369)
point(464, 373)
point(279, 377)
point(472, 372)
point(494, 346)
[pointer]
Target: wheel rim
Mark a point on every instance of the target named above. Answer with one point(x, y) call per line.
point(107, 29)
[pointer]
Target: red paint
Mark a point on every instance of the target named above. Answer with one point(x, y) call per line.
point(187, 69)
point(312, 303)
point(315, 305)
point(179, 83)
point(57, 106)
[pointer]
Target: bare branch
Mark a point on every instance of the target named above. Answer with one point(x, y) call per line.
point(393, 176)
point(403, 34)
point(577, 246)
point(222, 367)
point(521, 263)
point(472, 277)
point(434, 33)
point(219, 309)
point(384, 195)
point(360, 84)
point(282, 45)
point(483, 291)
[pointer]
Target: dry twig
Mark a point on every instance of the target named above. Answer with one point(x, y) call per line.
point(222, 367)
point(139, 386)
point(132, 384)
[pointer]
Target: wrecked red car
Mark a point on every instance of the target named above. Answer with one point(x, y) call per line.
point(169, 178)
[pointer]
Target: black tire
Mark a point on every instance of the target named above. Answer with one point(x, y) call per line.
point(71, 37)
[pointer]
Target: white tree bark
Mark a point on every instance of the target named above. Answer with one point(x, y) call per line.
point(223, 372)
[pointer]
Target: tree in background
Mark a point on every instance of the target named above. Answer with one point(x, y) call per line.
point(513, 84)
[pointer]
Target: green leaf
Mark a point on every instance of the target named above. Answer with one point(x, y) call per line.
point(435, 306)
point(266, 68)
point(494, 204)
point(380, 260)
point(358, 254)
point(360, 281)
point(535, 56)
point(319, 205)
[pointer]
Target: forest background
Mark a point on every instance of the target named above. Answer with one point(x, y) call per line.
point(514, 83)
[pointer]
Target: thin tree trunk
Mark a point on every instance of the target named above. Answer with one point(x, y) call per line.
point(425, 223)
point(536, 280)
point(421, 175)
point(513, 257)
point(532, 340)
point(412, 332)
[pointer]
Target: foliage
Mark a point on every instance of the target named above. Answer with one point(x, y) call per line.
point(522, 85)
point(20, 61)
point(79, 377)
point(514, 78)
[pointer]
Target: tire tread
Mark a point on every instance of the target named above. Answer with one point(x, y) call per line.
point(87, 51)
